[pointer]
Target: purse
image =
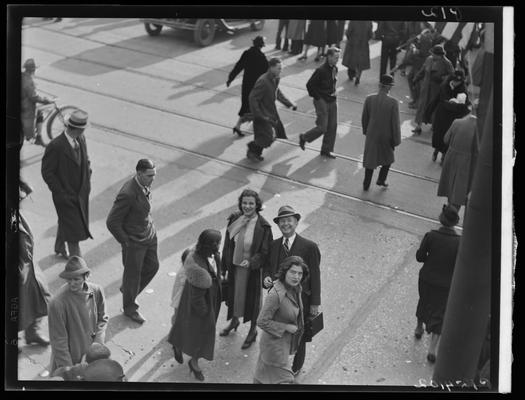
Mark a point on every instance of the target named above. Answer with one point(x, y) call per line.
point(313, 325)
point(224, 290)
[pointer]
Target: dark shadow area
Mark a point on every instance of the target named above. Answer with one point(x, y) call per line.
point(50, 260)
point(117, 324)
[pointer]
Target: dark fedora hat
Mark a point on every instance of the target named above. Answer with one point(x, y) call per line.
point(259, 41)
point(438, 50)
point(449, 216)
point(30, 64)
point(75, 266)
point(387, 80)
point(286, 211)
point(77, 119)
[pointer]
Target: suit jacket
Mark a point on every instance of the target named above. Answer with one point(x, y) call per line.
point(309, 252)
point(130, 219)
point(69, 181)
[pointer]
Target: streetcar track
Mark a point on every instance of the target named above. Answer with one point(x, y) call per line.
point(189, 116)
point(287, 85)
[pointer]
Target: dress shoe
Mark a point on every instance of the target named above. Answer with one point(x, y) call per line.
point(62, 253)
point(136, 316)
point(178, 355)
point(301, 142)
point(226, 331)
point(317, 58)
point(296, 373)
point(255, 157)
point(384, 184)
point(434, 155)
point(327, 154)
point(357, 80)
point(418, 333)
point(198, 374)
point(237, 131)
point(37, 339)
point(249, 340)
point(431, 358)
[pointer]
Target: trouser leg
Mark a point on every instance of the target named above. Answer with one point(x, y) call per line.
point(132, 258)
point(321, 121)
point(368, 177)
point(383, 172)
point(60, 244)
point(255, 148)
point(384, 58)
point(392, 55)
point(300, 355)
point(331, 130)
point(150, 266)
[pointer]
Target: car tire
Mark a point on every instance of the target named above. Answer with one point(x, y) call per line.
point(153, 29)
point(204, 32)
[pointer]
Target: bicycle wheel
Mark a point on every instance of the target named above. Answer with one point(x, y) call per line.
point(55, 123)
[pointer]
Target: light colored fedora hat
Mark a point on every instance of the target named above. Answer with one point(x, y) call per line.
point(75, 266)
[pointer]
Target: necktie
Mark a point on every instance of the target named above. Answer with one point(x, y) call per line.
point(286, 246)
point(147, 193)
point(77, 148)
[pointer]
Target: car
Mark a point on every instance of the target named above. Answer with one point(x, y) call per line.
point(203, 29)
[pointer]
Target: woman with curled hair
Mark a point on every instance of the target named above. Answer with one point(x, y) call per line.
point(193, 331)
point(246, 246)
point(281, 319)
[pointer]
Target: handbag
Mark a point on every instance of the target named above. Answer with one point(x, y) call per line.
point(313, 325)
point(224, 290)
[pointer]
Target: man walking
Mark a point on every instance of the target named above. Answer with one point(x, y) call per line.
point(292, 244)
point(391, 34)
point(130, 222)
point(321, 86)
point(67, 172)
point(262, 105)
point(380, 122)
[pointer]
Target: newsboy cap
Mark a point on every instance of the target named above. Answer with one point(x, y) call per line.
point(286, 211)
point(75, 266)
point(77, 119)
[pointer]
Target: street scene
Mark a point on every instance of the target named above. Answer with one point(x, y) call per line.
point(163, 96)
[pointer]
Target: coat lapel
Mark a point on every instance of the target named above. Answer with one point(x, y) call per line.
point(68, 150)
point(141, 197)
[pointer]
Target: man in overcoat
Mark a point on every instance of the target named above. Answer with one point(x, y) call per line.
point(380, 122)
point(66, 170)
point(391, 34)
point(292, 244)
point(254, 63)
point(262, 105)
point(130, 222)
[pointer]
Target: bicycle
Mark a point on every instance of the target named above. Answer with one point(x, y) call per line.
point(54, 118)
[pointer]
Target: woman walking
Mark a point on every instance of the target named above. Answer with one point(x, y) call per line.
point(281, 320)
point(315, 36)
point(194, 329)
point(246, 247)
point(437, 251)
point(357, 50)
point(296, 31)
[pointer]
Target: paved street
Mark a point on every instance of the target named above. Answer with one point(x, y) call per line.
point(165, 98)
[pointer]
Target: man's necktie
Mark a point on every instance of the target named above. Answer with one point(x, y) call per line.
point(286, 245)
point(77, 149)
point(147, 193)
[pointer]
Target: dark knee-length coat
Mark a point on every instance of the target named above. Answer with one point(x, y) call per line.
point(262, 238)
point(69, 182)
point(194, 329)
point(254, 63)
point(316, 33)
point(357, 48)
point(380, 122)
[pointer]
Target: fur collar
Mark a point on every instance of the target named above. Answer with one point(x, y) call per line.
point(196, 270)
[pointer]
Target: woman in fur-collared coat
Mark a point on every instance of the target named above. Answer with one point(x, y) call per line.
point(194, 329)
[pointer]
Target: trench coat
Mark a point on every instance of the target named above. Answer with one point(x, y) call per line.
point(276, 345)
point(262, 238)
point(69, 182)
point(460, 160)
point(29, 99)
point(262, 105)
point(334, 35)
point(446, 112)
point(380, 122)
point(433, 73)
point(357, 49)
point(194, 329)
point(254, 63)
point(32, 290)
point(296, 29)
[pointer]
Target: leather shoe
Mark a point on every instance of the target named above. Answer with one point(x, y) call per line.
point(384, 184)
point(366, 187)
point(136, 316)
point(418, 333)
point(249, 340)
point(301, 142)
point(178, 355)
point(37, 339)
point(255, 157)
point(62, 253)
point(327, 154)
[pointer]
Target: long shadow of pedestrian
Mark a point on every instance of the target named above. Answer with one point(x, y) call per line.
point(117, 324)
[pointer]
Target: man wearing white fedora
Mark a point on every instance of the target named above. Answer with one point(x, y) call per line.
point(67, 172)
point(77, 316)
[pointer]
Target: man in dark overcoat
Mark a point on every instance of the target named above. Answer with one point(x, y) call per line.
point(292, 244)
point(130, 222)
point(391, 34)
point(380, 122)
point(66, 170)
point(262, 105)
point(254, 63)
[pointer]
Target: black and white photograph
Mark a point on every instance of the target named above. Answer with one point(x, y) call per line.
point(202, 203)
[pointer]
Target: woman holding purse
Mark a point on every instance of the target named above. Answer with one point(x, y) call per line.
point(281, 320)
point(246, 246)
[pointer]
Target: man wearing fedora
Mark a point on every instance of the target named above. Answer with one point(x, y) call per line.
point(380, 122)
point(77, 315)
point(30, 98)
point(130, 222)
point(254, 63)
point(66, 170)
point(292, 244)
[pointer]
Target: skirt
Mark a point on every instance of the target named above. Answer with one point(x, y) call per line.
point(241, 284)
point(431, 306)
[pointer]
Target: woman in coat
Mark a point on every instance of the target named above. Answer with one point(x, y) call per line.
point(438, 251)
point(281, 320)
point(433, 73)
point(460, 160)
point(193, 332)
point(315, 36)
point(296, 31)
point(246, 247)
point(357, 50)
point(254, 63)
point(448, 109)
